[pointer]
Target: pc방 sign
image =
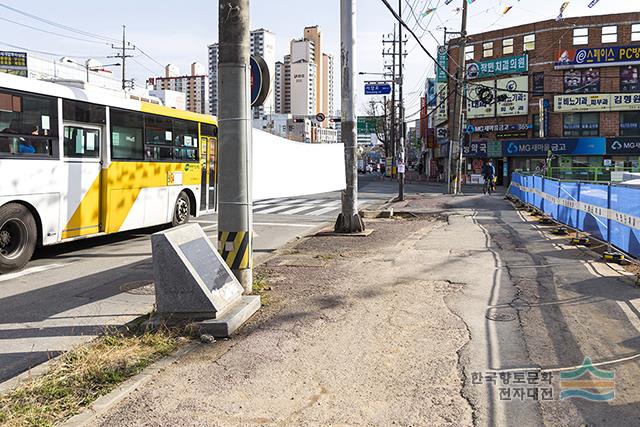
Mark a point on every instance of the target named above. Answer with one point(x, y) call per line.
point(599, 57)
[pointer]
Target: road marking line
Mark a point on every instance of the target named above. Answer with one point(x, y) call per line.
point(202, 221)
point(27, 271)
point(633, 317)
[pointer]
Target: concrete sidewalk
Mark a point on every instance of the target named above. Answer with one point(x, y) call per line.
point(399, 326)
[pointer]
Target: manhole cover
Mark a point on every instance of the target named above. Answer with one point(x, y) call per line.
point(502, 315)
point(520, 304)
point(143, 287)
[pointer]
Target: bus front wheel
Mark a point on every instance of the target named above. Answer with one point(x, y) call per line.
point(18, 237)
point(182, 210)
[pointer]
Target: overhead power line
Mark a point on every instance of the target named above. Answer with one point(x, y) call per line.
point(58, 25)
point(52, 32)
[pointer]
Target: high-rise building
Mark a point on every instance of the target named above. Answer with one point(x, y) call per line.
point(327, 84)
point(213, 79)
point(303, 88)
point(278, 87)
point(263, 43)
point(314, 35)
point(287, 85)
point(194, 86)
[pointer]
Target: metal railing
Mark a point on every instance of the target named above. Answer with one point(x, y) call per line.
point(592, 174)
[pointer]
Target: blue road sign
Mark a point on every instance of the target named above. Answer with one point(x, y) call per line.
point(377, 89)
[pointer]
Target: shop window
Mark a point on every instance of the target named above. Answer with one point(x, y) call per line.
point(507, 46)
point(487, 49)
point(469, 53)
point(635, 33)
point(610, 34)
point(629, 78)
point(580, 36)
point(581, 124)
point(529, 42)
point(630, 123)
point(582, 81)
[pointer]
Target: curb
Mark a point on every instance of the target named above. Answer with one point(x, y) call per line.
point(104, 403)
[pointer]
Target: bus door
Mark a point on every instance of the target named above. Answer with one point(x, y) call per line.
point(213, 173)
point(204, 171)
point(82, 153)
point(208, 194)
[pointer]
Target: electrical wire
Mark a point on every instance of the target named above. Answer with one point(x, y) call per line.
point(56, 24)
point(52, 33)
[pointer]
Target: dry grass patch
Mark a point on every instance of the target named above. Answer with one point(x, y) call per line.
point(80, 376)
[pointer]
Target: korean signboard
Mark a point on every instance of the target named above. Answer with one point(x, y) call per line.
point(368, 124)
point(496, 67)
point(597, 102)
point(443, 65)
point(517, 97)
point(13, 63)
point(504, 128)
point(479, 108)
point(481, 149)
point(442, 114)
point(599, 57)
point(623, 146)
point(567, 146)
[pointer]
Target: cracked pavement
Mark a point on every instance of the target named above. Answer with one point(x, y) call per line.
point(394, 328)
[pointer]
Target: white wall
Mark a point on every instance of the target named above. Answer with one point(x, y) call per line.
point(284, 168)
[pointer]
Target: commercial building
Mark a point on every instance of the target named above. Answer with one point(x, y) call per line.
point(551, 94)
point(263, 43)
point(195, 86)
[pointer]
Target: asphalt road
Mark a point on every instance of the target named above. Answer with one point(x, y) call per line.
point(71, 292)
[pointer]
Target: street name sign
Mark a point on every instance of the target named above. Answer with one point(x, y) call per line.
point(377, 89)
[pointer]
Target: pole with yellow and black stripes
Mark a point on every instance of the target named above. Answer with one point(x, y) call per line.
point(235, 217)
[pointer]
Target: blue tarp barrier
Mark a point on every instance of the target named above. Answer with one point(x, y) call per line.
point(596, 195)
point(607, 212)
point(538, 183)
point(567, 215)
point(626, 200)
point(551, 188)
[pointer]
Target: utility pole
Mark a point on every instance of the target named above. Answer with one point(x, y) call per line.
point(393, 97)
point(349, 220)
point(123, 56)
point(235, 217)
point(458, 112)
point(401, 163)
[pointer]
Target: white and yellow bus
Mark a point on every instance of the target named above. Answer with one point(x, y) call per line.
point(80, 163)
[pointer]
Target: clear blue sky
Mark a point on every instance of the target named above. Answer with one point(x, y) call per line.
point(179, 32)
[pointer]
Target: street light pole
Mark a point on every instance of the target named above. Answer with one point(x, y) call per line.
point(235, 217)
point(349, 220)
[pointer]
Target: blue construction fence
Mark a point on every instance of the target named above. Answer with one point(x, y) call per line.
point(608, 212)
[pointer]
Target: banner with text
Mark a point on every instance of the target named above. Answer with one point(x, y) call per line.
point(597, 102)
